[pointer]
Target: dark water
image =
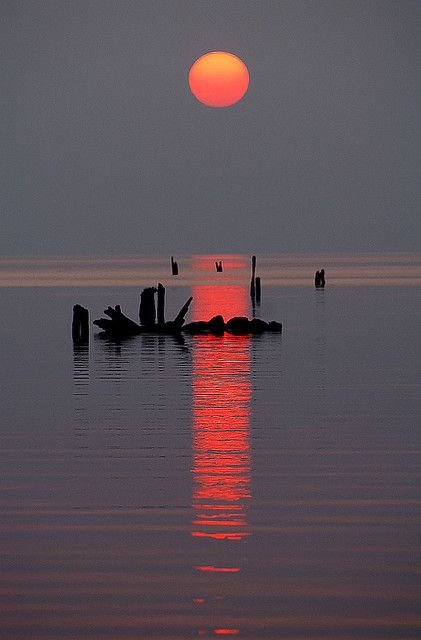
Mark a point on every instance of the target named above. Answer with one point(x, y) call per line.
point(265, 487)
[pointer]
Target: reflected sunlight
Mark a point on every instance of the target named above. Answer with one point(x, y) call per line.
point(221, 429)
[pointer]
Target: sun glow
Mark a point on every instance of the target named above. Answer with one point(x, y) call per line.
point(218, 79)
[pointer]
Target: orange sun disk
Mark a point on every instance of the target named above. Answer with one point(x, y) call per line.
point(218, 79)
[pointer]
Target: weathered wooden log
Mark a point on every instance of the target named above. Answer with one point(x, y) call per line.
point(121, 324)
point(180, 317)
point(215, 326)
point(196, 328)
point(258, 326)
point(239, 325)
point(80, 325)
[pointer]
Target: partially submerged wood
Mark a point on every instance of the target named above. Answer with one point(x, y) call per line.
point(215, 326)
point(239, 325)
point(80, 325)
point(117, 325)
point(147, 312)
point(120, 326)
point(253, 274)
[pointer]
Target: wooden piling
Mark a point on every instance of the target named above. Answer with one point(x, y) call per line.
point(80, 325)
point(258, 289)
point(174, 267)
point(253, 274)
point(161, 304)
point(147, 312)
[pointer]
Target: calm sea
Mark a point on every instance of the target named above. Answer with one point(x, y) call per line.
point(260, 487)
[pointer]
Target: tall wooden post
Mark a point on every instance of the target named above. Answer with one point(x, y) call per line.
point(80, 325)
point(258, 289)
point(147, 313)
point(253, 273)
point(161, 304)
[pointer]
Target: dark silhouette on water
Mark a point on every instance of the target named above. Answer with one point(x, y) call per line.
point(80, 325)
point(218, 266)
point(119, 326)
point(253, 275)
point(174, 267)
point(258, 289)
point(319, 279)
point(147, 312)
point(255, 286)
point(161, 304)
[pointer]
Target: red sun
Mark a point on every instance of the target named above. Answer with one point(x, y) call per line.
point(218, 79)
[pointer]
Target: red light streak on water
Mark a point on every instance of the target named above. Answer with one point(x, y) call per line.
point(221, 418)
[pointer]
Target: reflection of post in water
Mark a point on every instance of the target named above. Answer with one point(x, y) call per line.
point(80, 384)
point(221, 440)
point(320, 342)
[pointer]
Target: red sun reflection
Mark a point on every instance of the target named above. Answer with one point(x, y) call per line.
point(221, 425)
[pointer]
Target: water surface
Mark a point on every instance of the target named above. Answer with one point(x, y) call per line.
point(264, 487)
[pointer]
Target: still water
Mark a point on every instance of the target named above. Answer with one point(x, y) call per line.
point(260, 487)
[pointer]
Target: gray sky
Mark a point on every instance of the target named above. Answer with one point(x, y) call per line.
point(105, 150)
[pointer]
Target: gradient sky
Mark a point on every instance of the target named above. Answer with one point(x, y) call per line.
point(104, 149)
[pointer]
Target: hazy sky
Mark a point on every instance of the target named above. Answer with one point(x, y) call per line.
point(104, 149)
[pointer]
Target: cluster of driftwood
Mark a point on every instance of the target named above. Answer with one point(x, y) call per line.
point(152, 320)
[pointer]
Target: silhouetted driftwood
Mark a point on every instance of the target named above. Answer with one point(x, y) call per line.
point(218, 266)
point(80, 325)
point(215, 326)
point(117, 325)
point(239, 325)
point(180, 317)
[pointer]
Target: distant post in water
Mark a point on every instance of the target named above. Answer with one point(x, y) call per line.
point(218, 266)
point(253, 274)
point(319, 279)
point(80, 325)
point(174, 267)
